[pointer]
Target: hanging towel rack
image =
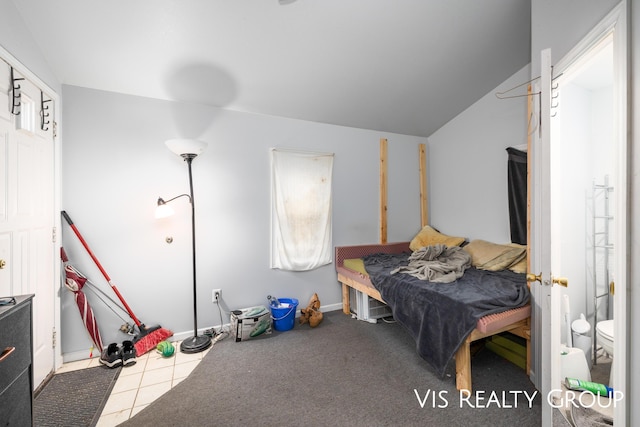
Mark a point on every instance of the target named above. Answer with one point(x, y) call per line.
point(44, 113)
point(15, 94)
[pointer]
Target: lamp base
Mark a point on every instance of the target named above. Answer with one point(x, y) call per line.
point(195, 344)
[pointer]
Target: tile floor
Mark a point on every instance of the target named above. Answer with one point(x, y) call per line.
point(139, 385)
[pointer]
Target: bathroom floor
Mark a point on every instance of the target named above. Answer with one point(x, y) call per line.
point(601, 370)
point(139, 385)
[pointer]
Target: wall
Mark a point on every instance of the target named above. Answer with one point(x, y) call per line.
point(560, 25)
point(633, 299)
point(585, 121)
point(115, 166)
point(468, 165)
point(16, 38)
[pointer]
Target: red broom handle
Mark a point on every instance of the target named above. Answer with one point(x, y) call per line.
point(102, 270)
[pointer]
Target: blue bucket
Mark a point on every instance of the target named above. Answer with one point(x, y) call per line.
point(284, 318)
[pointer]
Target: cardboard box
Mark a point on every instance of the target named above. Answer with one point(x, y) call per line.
point(250, 323)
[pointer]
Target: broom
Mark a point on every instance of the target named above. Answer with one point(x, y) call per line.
point(148, 337)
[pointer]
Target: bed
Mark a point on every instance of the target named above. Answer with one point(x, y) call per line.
point(444, 326)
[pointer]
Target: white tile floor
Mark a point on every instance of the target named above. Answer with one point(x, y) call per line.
point(139, 385)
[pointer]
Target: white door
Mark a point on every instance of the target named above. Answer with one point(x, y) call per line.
point(27, 216)
point(545, 292)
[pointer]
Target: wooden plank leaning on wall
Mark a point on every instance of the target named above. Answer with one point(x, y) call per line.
point(383, 190)
point(424, 206)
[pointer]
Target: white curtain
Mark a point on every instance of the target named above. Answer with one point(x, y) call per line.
point(300, 209)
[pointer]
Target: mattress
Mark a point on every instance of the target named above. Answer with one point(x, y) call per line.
point(354, 268)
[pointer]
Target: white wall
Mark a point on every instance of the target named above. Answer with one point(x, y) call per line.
point(584, 121)
point(17, 40)
point(115, 165)
point(561, 24)
point(633, 336)
point(468, 165)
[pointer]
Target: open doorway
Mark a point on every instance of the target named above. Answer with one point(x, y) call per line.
point(588, 192)
point(584, 124)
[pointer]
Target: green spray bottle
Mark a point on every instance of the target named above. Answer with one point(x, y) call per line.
point(595, 388)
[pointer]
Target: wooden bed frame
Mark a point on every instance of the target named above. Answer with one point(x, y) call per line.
point(515, 321)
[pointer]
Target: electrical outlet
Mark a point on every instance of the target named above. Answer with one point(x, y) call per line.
point(216, 294)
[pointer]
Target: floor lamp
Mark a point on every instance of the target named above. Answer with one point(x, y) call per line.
point(188, 149)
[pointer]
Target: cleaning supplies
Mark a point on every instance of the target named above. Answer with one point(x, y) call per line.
point(595, 388)
point(148, 336)
point(582, 337)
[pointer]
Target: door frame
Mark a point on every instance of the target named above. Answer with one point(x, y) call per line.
point(57, 174)
point(614, 23)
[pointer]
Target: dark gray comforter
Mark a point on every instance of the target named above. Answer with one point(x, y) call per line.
point(439, 316)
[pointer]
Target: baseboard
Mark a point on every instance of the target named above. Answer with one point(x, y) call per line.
point(74, 356)
point(331, 307)
point(179, 336)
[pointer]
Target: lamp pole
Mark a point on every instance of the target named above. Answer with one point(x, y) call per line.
point(196, 343)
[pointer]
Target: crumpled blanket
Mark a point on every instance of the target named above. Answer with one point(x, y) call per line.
point(438, 263)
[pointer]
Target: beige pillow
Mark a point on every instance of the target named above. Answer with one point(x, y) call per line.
point(520, 266)
point(429, 236)
point(494, 257)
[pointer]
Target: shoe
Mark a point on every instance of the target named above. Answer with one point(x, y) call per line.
point(128, 353)
point(111, 356)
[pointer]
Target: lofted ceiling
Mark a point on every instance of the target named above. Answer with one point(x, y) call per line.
point(402, 66)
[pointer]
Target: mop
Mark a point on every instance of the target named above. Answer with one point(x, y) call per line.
point(148, 337)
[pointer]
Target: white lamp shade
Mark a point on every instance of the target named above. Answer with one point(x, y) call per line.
point(164, 211)
point(186, 146)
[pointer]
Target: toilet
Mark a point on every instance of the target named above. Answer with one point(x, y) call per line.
point(604, 332)
point(604, 336)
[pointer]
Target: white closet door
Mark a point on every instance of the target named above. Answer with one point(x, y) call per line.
point(26, 212)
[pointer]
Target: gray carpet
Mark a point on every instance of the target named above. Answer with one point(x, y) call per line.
point(344, 372)
point(74, 398)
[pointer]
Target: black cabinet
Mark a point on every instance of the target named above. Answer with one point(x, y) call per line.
point(16, 360)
